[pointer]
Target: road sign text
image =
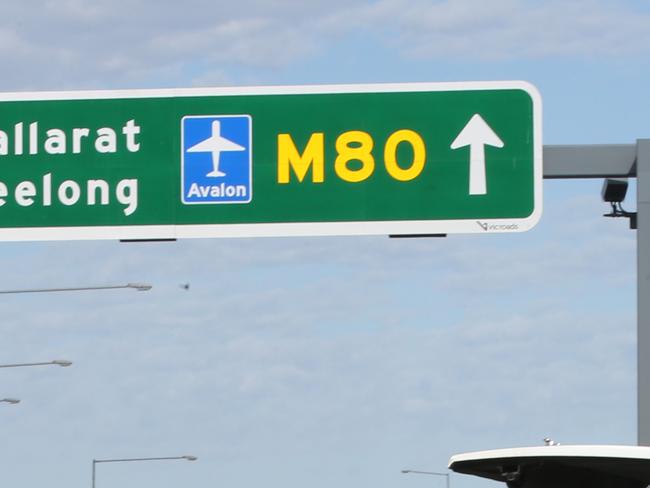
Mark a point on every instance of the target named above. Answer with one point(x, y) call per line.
point(351, 146)
point(58, 141)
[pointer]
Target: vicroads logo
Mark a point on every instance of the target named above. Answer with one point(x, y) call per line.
point(487, 227)
point(216, 162)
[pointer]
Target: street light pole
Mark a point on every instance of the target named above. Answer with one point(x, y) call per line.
point(58, 362)
point(434, 473)
point(136, 286)
point(128, 460)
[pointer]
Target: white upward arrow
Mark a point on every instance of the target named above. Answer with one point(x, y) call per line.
point(477, 134)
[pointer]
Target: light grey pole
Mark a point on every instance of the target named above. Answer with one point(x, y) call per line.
point(643, 290)
point(589, 161)
point(128, 460)
point(135, 286)
point(58, 362)
point(434, 473)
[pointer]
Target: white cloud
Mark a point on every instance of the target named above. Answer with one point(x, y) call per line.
point(82, 44)
point(250, 41)
point(301, 352)
point(465, 30)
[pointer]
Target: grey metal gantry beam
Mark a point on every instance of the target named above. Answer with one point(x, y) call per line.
point(590, 161)
point(620, 161)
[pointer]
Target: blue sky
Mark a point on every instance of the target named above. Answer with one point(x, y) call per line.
point(339, 360)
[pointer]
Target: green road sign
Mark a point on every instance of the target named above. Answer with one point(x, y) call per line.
point(311, 160)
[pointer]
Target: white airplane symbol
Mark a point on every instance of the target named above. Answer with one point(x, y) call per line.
point(216, 144)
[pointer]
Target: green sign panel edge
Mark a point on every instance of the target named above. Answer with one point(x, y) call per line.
point(320, 228)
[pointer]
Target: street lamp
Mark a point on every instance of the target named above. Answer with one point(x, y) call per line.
point(434, 473)
point(135, 286)
point(64, 363)
point(58, 362)
point(127, 460)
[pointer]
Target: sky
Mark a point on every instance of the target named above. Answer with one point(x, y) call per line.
point(327, 361)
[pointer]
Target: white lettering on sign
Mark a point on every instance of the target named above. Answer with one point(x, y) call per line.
point(221, 190)
point(78, 139)
point(70, 192)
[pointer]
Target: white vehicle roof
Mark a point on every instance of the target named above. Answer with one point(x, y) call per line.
point(560, 466)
